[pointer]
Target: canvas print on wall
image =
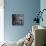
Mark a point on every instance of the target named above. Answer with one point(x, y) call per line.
point(17, 19)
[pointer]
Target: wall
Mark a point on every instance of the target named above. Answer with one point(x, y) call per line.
point(26, 7)
point(43, 6)
point(1, 20)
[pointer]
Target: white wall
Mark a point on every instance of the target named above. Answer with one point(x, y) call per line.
point(1, 20)
point(43, 6)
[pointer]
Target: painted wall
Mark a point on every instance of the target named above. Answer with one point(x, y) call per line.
point(1, 20)
point(43, 6)
point(26, 7)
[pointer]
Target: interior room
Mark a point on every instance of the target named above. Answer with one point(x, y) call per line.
point(22, 22)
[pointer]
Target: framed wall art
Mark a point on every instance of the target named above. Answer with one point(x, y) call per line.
point(17, 19)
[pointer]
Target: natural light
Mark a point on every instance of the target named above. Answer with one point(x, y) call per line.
point(1, 21)
point(1, 24)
